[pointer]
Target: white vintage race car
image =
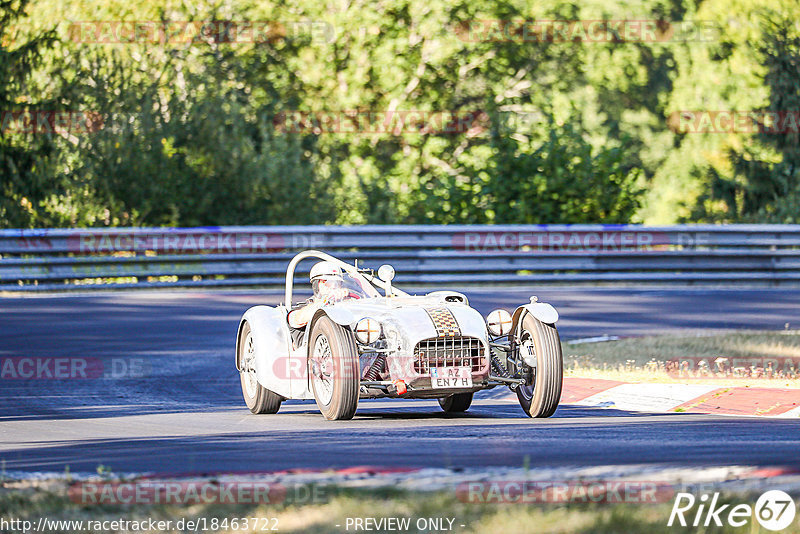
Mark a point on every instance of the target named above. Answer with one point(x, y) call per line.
point(396, 345)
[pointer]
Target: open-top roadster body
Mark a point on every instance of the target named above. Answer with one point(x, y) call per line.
point(397, 345)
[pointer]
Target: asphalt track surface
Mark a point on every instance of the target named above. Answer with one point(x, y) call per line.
point(182, 412)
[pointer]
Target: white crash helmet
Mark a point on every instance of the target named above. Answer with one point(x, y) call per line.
point(326, 270)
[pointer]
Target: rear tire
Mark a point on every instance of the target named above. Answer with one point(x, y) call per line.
point(258, 398)
point(460, 402)
point(540, 399)
point(334, 369)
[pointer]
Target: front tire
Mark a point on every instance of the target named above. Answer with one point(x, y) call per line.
point(541, 397)
point(334, 369)
point(258, 398)
point(460, 402)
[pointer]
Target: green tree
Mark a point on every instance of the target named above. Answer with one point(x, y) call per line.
point(22, 153)
point(771, 189)
point(563, 131)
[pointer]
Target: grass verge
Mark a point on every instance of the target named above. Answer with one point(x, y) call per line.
point(27, 501)
point(766, 359)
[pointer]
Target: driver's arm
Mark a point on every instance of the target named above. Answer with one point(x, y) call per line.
point(336, 295)
point(300, 317)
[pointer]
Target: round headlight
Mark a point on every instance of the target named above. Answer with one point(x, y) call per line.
point(368, 331)
point(386, 273)
point(499, 323)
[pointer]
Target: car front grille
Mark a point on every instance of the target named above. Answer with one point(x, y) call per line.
point(449, 352)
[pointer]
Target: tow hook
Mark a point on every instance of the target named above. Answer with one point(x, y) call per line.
point(400, 387)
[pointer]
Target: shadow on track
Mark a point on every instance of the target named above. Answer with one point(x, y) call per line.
point(437, 442)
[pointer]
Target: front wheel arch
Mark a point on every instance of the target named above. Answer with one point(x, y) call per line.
point(542, 311)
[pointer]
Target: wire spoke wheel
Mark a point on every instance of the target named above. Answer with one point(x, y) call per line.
point(335, 369)
point(540, 343)
point(322, 369)
point(249, 367)
point(527, 349)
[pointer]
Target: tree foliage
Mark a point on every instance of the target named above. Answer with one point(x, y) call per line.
point(563, 132)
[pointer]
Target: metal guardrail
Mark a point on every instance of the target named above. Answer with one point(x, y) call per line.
point(62, 259)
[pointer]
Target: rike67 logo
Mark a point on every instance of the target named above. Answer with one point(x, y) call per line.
point(774, 510)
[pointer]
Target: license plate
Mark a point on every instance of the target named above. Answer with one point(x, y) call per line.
point(451, 377)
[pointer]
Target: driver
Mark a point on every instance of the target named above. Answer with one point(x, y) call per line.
point(328, 285)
